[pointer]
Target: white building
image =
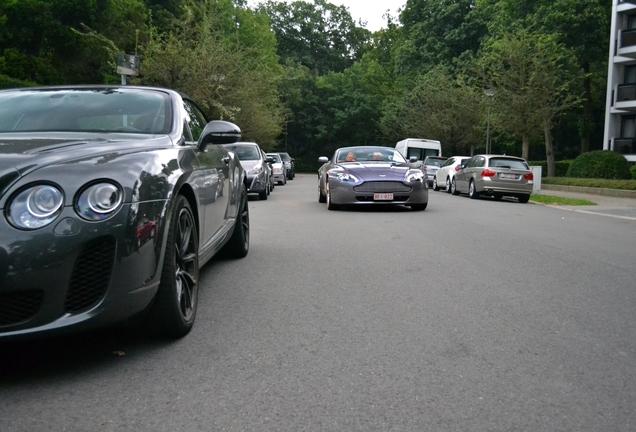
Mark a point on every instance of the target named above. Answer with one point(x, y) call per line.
point(620, 111)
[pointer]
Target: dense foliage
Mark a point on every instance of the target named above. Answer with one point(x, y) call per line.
point(304, 77)
point(601, 165)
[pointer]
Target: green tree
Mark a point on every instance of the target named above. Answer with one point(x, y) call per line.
point(437, 32)
point(320, 35)
point(532, 75)
point(66, 41)
point(224, 57)
point(583, 27)
point(440, 107)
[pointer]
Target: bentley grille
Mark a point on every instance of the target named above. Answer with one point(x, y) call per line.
point(18, 307)
point(91, 275)
point(382, 186)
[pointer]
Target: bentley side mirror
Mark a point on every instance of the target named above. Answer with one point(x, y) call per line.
point(219, 132)
point(323, 159)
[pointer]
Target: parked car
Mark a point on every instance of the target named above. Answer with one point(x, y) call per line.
point(278, 167)
point(289, 165)
point(431, 165)
point(106, 209)
point(254, 163)
point(445, 174)
point(371, 176)
point(494, 175)
point(270, 172)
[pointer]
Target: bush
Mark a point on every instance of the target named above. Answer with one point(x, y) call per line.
point(633, 171)
point(593, 183)
point(8, 82)
point(601, 164)
point(560, 166)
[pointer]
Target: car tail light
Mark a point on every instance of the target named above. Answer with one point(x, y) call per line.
point(528, 176)
point(458, 168)
point(488, 173)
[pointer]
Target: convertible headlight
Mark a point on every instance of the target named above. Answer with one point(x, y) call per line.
point(36, 207)
point(256, 170)
point(415, 176)
point(99, 201)
point(344, 177)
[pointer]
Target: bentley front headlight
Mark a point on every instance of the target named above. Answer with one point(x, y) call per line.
point(36, 207)
point(99, 201)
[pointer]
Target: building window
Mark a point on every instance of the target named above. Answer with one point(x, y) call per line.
point(630, 74)
point(628, 127)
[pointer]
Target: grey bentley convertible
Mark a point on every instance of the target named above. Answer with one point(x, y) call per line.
point(111, 199)
point(371, 176)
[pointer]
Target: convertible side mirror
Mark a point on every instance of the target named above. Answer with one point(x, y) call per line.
point(323, 159)
point(269, 159)
point(413, 159)
point(219, 132)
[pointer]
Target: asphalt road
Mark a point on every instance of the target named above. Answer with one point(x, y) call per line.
point(471, 315)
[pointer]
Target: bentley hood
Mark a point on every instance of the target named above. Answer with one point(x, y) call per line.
point(21, 155)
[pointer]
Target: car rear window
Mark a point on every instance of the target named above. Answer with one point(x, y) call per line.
point(507, 163)
point(244, 152)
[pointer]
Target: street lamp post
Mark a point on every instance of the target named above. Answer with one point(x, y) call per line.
point(490, 93)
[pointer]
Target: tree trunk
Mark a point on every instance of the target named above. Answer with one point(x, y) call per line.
point(549, 148)
point(525, 146)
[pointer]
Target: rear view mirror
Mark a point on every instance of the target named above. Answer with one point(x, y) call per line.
point(270, 159)
point(413, 159)
point(323, 159)
point(219, 132)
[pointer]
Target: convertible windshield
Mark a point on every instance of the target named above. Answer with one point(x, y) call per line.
point(369, 154)
point(85, 110)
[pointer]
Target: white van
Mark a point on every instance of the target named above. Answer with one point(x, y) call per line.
point(419, 147)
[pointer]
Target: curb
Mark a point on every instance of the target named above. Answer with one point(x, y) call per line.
point(590, 190)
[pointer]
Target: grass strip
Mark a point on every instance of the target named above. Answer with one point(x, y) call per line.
point(546, 199)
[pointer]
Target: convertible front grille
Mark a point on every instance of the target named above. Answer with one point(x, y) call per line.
point(91, 275)
point(18, 307)
point(382, 187)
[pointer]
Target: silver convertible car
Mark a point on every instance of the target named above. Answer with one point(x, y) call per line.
point(371, 176)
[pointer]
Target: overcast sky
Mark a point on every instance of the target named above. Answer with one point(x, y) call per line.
point(367, 10)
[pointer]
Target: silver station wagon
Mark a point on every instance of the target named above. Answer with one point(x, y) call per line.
point(496, 176)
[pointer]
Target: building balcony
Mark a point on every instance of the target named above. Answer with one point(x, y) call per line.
point(628, 38)
point(626, 6)
point(625, 145)
point(627, 44)
point(625, 97)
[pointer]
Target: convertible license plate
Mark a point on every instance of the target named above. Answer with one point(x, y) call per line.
point(509, 176)
point(383, 197)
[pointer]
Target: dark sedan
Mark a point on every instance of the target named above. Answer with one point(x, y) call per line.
point(254, 162)
point(371, 176)
point(112, 198)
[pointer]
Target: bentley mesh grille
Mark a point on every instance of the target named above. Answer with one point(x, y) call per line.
point(91, 274)
point(382, 186)
point(18, 307)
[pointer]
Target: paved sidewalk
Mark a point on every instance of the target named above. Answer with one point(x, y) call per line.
point(617, 207)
